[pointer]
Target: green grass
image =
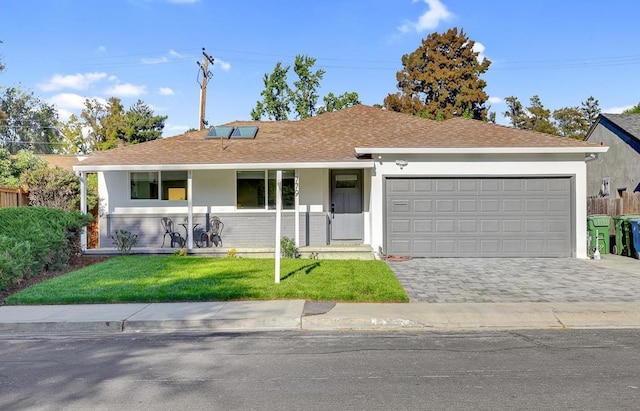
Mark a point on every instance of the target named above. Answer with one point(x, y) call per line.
point(132, 279)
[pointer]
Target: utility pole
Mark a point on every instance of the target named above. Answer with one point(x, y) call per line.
point(206, 75)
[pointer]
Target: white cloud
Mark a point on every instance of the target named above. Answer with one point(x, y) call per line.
point(176, 128)
point(617, 110)
point(70, 103)
point(101, 49)
point(126, 90)
point(78, 81)
point(224, 66)
point(166, 91)
point(479, 48)
point(158, 60)
point(495, 100)
point(430, 19)
point(171, 56)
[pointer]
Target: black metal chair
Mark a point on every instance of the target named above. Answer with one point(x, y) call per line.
point(169, 230)
point(214, 235)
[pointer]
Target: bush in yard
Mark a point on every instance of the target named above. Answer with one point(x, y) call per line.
point(34, 240)
point(288, 248)
point(124, 240)
point(52, 187)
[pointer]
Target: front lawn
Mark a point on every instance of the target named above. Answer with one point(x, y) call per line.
point(132, 279)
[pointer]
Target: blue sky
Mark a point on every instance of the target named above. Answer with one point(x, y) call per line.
point(68, 50)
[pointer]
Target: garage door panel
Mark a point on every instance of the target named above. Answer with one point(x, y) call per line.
point(468, 186)
point(468, 205)
point(445, 206)
point(422, 226)
point(422, 206)
point(489, 246)
point(423, 246)
point(445, 226)
point(468, 246)
point(400, 206)
point(512, 205)
point(446, 185)
point(535, 205)
point(557, 205)
point(489, 226)
point(489, 205)
point(447, 247)
point(400, 226)
point(467, 226)
point(455, 217)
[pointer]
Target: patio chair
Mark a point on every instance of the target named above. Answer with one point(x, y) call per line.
point(169, 230)
point(214, 235)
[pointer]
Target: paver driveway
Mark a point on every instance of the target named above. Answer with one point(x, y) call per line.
point(485, 280)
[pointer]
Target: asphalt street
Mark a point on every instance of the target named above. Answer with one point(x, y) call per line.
point(298, 370)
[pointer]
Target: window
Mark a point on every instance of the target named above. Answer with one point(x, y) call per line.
point(148, 185)
point(174, 185)
point(257, 189)
point(144, 186)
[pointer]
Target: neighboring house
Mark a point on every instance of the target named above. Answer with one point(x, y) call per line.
point(398, 183)
point(619, 170)
point(65, 162)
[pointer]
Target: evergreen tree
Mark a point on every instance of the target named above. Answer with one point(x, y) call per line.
point(441, 78)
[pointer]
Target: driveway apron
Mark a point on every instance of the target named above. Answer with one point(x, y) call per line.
point(498, 280)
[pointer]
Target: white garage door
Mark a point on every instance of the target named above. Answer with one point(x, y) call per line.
point(478, 217)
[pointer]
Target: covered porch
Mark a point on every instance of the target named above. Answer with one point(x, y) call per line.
point(256, 204)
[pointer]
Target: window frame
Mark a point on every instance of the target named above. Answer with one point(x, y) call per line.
point(159, 196)
point(265, 187)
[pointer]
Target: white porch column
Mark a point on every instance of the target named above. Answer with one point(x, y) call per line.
point(278, 222)
point(296, 206)
point(190, 209)
point(83, 208)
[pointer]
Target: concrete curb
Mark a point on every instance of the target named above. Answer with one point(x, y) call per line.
point(285, 315)
point(474, 316)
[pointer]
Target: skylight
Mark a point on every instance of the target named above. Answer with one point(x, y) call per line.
point(220, 131)
point(244, 132)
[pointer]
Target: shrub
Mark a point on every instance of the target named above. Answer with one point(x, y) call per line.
point(124, 240)
point(35, 240)
point(288, 248)
point(52, 187)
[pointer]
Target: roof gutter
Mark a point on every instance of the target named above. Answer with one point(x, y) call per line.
point(481, 150)
point(237, 166)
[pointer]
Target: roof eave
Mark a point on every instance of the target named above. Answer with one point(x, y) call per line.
point(236, 166)
point(481, 150)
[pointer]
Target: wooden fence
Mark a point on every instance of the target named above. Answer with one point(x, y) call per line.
point(13, 197)
point(628, 204)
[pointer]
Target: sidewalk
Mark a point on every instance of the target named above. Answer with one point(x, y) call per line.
point(290, 315)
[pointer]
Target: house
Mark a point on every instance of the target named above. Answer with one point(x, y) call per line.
point(390, 181)
point(619, 170)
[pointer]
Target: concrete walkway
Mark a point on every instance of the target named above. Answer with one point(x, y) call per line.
point(588, 310)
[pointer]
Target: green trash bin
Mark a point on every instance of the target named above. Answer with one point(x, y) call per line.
point(623, 234)
point(598, 227)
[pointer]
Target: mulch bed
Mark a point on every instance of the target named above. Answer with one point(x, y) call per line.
point(76, 264)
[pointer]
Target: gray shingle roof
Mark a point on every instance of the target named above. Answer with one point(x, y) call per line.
point(627, 122)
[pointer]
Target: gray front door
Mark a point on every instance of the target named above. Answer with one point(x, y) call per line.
point(479, 217)
point(347, 220)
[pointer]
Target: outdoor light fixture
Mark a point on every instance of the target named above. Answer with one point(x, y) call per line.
point(401, 163)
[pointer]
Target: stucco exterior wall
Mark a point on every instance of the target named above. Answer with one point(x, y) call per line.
point(214, 194)
point(620, 165)
point(571, 165)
